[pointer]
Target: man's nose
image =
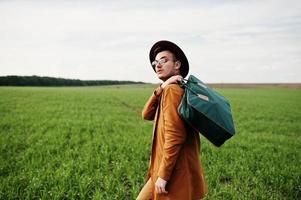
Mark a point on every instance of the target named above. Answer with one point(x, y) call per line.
point(158, 65)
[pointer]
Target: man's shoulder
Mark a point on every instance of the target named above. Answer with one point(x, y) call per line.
point(172, 95)
point(173, 88)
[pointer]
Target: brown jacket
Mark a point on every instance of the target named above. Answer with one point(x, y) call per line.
point(175, 148)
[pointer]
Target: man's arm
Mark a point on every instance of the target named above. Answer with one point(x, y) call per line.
point(151, 105)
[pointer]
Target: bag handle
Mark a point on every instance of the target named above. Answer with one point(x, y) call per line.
point(184, 84)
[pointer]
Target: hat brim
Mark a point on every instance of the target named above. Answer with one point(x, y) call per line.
point(164, 45)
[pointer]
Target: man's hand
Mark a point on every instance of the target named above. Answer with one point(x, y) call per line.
point(160, 186)
point(172, 79)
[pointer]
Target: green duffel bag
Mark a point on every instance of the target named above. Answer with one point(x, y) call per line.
point(206, 111)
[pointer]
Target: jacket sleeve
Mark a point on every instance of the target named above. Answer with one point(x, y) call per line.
point(174, 131)
point(149, 110)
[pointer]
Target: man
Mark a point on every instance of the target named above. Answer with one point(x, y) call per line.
point(175, 170)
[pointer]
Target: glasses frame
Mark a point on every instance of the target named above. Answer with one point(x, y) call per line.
point(161, 61)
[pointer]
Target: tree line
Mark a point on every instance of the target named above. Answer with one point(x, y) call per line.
point(51, 81)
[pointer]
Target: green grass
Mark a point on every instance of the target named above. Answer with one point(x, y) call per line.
point(91, 143)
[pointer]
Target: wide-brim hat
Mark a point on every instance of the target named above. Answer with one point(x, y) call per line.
point(164, 45)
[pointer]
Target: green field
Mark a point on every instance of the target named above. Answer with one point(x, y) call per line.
point(91, 143)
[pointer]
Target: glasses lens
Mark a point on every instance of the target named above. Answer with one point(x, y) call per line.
point(162, 61)
point(154, 63)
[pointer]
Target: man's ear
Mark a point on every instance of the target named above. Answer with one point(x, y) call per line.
point(177, 64)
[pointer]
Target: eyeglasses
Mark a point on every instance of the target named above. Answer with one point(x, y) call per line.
point(161, 61)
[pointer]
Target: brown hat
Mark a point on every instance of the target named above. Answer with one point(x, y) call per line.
point(164, 45)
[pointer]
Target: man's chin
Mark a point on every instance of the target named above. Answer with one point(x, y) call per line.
point(162, 78)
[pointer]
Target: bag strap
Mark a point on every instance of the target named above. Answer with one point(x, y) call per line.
point(184, 85)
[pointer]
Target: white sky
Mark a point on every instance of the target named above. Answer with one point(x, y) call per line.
point(224, 40)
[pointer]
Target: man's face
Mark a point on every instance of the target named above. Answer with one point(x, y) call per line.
point(166, 66)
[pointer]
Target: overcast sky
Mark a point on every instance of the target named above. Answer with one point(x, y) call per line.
point(224, 40)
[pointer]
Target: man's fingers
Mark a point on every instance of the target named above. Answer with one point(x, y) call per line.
point(160, 186)
point(164, 191)
point(161, 190)
point(178, 78)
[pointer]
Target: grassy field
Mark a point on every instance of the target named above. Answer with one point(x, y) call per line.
point(91, 143)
